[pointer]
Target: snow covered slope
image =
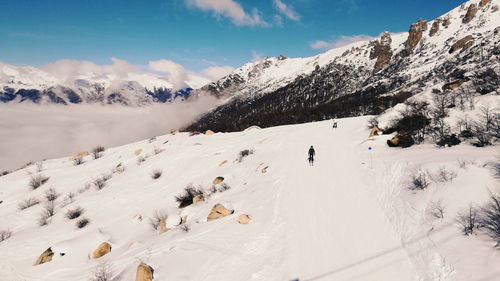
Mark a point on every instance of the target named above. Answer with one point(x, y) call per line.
point(460, 48)
point(351, 216)
point(75, 82)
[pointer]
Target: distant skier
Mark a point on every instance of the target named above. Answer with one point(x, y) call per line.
point(311, 155)
point(334, 124)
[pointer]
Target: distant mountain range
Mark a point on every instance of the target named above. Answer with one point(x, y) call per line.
point(20, 84)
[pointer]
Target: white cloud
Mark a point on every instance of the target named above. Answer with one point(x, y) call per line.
point(278, 20)
point(177, 74)
point(216, 72)
point(340, 42)
point(256, 56)
point(287, 10)
point(230, 9)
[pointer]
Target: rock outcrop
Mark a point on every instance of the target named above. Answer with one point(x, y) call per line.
point(103, 249)
point(446, 22)
point(45, 257)
point(144, 273)
point(381, 50)
point(462, 44)
point(415, 35)
point(483, 3)
point(218, 211)
point(435, 27)
point(471, 12)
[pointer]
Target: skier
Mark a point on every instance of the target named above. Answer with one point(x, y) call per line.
point(334, 124)
point(311, 156)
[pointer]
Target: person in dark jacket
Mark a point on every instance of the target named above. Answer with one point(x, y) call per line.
point(311, 155)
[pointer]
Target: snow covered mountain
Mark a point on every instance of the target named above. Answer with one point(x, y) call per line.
point(90, 85)
point(458, 51)
point(357, 214)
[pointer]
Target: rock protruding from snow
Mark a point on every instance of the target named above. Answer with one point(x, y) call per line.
point(483, 3)
point(103, 249)
point(219, 211)
point(45, 257)
point(435, 27)
point(218, 180)
point(209, 132)
point(144, 273)
point(163, 225)
point(415, 34)
point(462, 44)
point(244, 219)
point(471, 12)
point(198, 198)
point(381, 51)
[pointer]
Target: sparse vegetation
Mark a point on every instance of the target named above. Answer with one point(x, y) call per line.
point(97, 152)
point(78, 161)
point(436, 209)
point(185, 199)
point(468, 220)
point(47, 213)
point(30, 202)
point(83, 222)
point(38, 180)
point(244, 153)
point(100, 182)
point(140, 159)
point(74, 213)
point(185, 228)
point(51, 194)
point(220, 187)
point(158, 216)
point(5, 234)
point(419, 180)
point(490, 218)
point(156, 174)
point(102, 272)
point(444, 175)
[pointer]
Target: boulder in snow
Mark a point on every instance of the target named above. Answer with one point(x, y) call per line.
point(138, 151)
point(46, 256)
point(218, 180)
point(462, 44)
point(144, 273)
point(163, 225)
point(197, 198)
point(252, 128)
point(375, 132)
point(102, 250)
point(219, 211)
point(244, 219)
point(209, 132)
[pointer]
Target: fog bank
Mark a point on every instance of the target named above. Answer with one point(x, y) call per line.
point(30, 132)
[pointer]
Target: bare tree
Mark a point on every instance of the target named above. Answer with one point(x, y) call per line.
point(468, 220)
point(490, 217)
point(436, 209)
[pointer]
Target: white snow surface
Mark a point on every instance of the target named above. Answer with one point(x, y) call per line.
point(351, 216)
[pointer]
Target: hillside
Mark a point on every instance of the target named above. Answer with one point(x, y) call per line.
point(457, 52)
point(355, 215)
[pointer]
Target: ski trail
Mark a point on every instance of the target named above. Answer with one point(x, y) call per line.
point(328, 235)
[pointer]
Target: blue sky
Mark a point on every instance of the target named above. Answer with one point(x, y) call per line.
point(195, 33)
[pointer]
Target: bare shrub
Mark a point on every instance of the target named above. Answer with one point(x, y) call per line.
point(86, 187)
point(78, 161)
point(158, 216)
point(100, 182)
point(83, 222)
point(156, 174)
point(47, 213)
point(37, 181)
point(436, 209)
point(185, 228)
point(140, 159)
point(152, 139)
point(419, 181)
point(30, 202)
point(102, 272)
point(97, 151)
point(74, 213)
point(372, 122)
point(5, 234)
point(244, 153)
point(51, 194)
point(220, 187)
point(468, 220)
point(444, 175)
point(186, 198)
point(490, 218)
point(39, 166)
